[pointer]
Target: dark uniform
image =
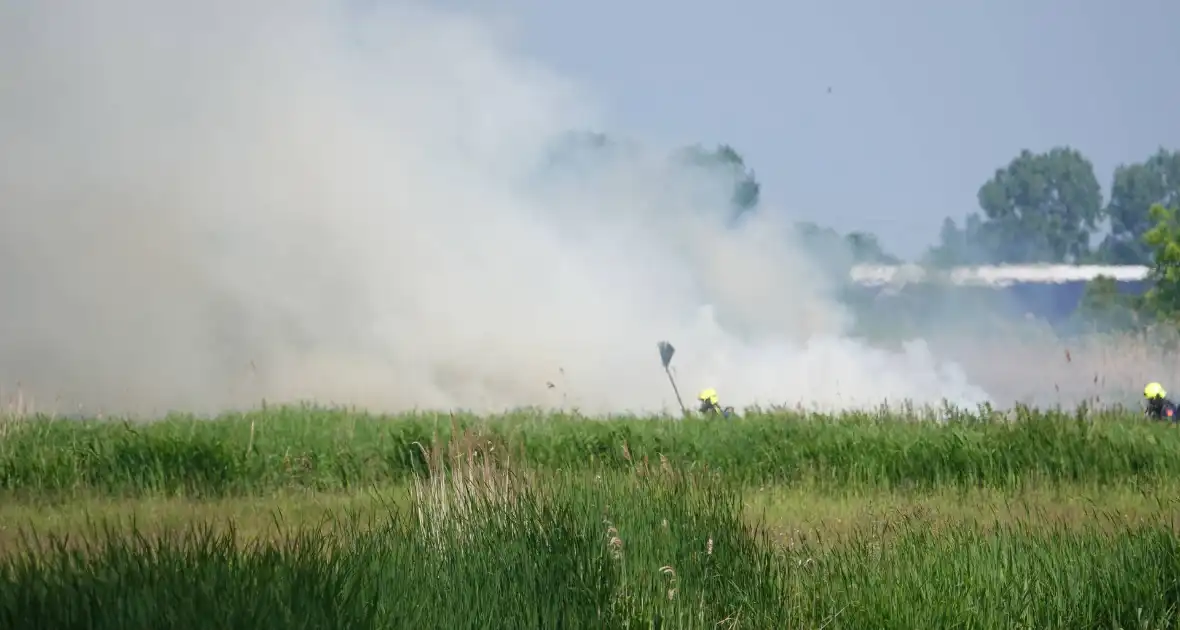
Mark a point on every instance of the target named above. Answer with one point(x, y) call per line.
point(711, 405)
point(1158, 405)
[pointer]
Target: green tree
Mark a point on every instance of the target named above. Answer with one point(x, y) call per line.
point(959, 246)
point(724, 159)
point(866, 249)
point(1163, 299)
point(1040, 208)
point(1105, 308)
point(825, 245)
point(581, 154)
point(949, 250)
point(1135, 189)
point(838, 253)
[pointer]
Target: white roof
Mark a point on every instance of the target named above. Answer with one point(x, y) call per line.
point(994, 275)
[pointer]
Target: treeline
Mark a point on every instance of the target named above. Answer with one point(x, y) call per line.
point(1045, 207)
point(1049, 208)
point(1040, 208)
point(581, 153)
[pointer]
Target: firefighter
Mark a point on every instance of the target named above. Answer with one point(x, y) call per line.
point(1158, 405)
point(711, 405)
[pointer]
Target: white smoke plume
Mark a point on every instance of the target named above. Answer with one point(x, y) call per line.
point(207, 204)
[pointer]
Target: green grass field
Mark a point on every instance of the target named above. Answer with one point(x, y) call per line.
point(311, 518)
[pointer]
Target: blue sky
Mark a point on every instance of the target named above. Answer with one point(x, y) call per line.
point(928, 97)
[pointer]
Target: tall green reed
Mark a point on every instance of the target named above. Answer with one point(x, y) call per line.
point(489, 544)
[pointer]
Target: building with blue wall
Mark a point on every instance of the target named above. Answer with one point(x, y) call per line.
point(1048, 292)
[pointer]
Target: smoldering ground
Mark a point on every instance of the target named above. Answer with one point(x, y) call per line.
point(208, 204)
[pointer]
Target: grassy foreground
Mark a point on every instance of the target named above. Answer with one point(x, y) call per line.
point(656, 548)
point(262, 452)
point(525, 521)
point(792, 515)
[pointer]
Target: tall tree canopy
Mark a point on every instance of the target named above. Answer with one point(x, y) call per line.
point(1163, 299)
point(960, 246)
point(580, 153)
point(725, 160)
point(837, 253)
point(1041, 207)
point(1135, 189)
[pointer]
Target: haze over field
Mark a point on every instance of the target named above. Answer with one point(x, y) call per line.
point(206, 204)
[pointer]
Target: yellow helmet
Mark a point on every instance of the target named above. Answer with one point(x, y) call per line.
point(1154, 390)
point(708, 395)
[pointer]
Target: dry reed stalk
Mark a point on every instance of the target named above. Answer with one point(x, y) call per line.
point(1046, 370)
point(16, 411)
point(466, 485)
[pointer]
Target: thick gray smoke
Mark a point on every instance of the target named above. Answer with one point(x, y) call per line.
point(206, 204)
